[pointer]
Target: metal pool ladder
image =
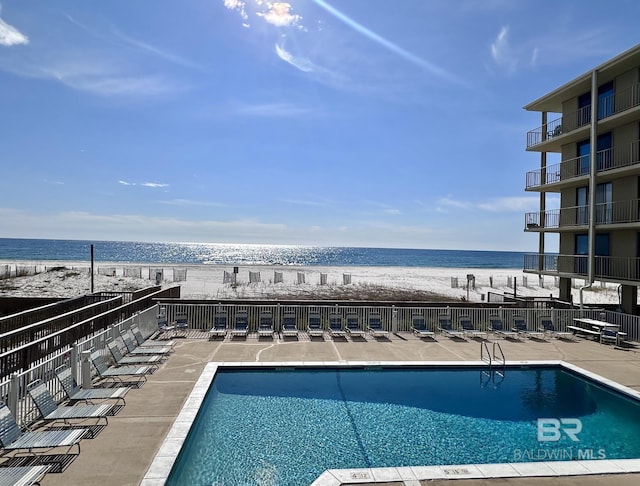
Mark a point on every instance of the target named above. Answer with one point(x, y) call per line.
point(496, 357)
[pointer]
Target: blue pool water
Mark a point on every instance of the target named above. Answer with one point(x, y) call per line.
point(285, 427)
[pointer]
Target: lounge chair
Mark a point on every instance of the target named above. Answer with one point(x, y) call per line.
point(241, 327)
point(265, 326)
point(133, 349)
point(135, 375)
point(22, 475)
point(52, 412)
point(469, 329)
point(219, 328)
point(374, 325)
point(335, 326)
point(182, 324)
point(13, 439)
point(446, 327)
point(314, 326)
point(497, 327)
point(289, 325)
point(135, 330)
point(547, 327)
point(120, 359)
point(163, 326)
point(76, 394)
point(353, 326)
point(419, 327)
point(520, 326)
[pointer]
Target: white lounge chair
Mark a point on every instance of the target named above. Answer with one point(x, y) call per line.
point(469, 329)
point(335, 326)
point(52, 412)
point(419, 327)
point(496, 326)
point(182, 324)
point(135, 330)
point(289, 325)
point(353, 326)
point(133, 349)
point(446, 327)
point(520, 326)
point(163, 326)
point(265, 326)
point(132, 375)
point(547, 327)
point(314, 325)
point(23, 475)
point(241, 326)
point(120, 359)
point(76, 394)
point(374, 326)
point(13, 439)
point(219, 328)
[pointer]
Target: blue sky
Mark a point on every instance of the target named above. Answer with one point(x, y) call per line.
point(344, 123)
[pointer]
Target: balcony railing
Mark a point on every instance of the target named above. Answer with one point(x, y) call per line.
point(618, 102)
point(618, 212)
point(605, 268)
point(566, 170)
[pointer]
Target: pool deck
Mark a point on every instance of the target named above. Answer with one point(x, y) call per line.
point(122, 453)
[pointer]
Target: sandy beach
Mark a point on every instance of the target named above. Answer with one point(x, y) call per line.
point(216, 281)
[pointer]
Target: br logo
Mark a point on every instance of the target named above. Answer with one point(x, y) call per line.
point(551, 429)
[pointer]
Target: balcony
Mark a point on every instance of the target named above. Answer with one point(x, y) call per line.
point(577, 169)
point(619, 212)
point(616, 269)
point(608, 106)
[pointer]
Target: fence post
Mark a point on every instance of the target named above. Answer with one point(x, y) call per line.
point(86, 370)
point(394, 319)
point(73, 363)
point(14, 388)
point(114, 332)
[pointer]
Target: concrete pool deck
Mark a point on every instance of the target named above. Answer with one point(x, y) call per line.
point(122, 453)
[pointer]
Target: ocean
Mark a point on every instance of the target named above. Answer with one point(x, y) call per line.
point(249, 254)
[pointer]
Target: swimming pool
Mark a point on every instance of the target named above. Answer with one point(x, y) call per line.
point(286, 425)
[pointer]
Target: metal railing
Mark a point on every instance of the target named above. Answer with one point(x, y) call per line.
point(616, 212)
point(394, 318)
point(576, 167)
point(24, 356)
point(622, 269)
point(618, 102)
point(24, 318)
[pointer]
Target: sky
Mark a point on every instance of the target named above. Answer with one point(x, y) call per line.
point(311, 122)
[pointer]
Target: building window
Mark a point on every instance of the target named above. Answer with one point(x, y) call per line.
point(584, 109)
point(604, 151)
point(604, 202)
point(603, 154)
point(582, 201)
point(605, 100)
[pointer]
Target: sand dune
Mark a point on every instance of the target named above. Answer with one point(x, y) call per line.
point(207, 281)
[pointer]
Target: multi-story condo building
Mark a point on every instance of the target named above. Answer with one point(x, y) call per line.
point(589, 145)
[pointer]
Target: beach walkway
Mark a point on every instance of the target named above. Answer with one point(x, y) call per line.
point(123, 451)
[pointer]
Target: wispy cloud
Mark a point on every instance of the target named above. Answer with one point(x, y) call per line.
point(304, 202)
point(302, 64)
point(387, 44)
point(10, 36)
point(510, 204)
point(502, 52)
point(144, 184)
point(191, 202)
point(272, 110)
point(162, 53)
